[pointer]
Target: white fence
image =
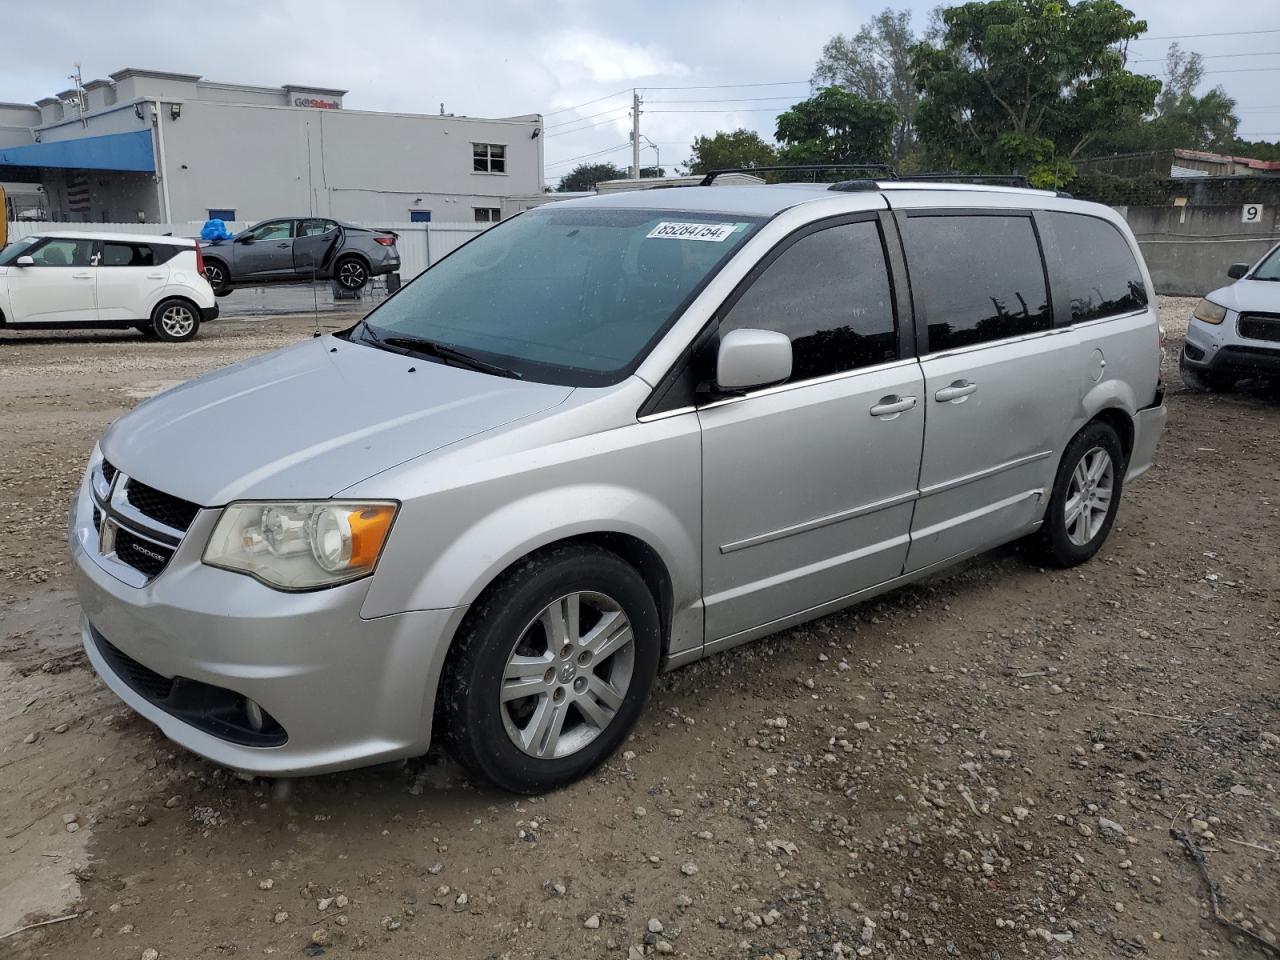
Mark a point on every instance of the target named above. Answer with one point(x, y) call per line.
point(420, 244)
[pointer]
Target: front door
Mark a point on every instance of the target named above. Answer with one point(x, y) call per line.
point(264, 251)
point(1001, 382)
point(129, 280)
point(59, 287)
point(314, 246)
point(808, 486)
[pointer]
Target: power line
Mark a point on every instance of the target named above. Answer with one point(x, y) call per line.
point(726, 86)
point(586, 156)
point(1197, 36)
point(598, 123)
point(1216, 56)
point(742, 110)
point(728, 99)
point(607, 96)
point(565, 123)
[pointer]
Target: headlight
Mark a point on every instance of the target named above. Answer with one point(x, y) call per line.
point(301, 546)
point(1210, 312)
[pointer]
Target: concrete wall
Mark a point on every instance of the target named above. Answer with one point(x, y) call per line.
point(1188, 249)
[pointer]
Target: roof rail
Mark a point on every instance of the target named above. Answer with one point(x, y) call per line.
point(998, 179)
point(885, 170)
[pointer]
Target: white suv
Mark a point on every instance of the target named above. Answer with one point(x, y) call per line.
point(155, 284)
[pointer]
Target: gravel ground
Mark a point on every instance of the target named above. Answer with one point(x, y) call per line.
point(988, 764)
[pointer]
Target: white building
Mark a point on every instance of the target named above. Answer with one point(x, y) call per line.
point(172, 148)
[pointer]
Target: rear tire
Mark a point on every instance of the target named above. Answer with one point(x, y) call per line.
point(551, 669)
point(174, 320)
point(215, 271)
point(1086, 496)
point(351, 273)
point(1202, 381)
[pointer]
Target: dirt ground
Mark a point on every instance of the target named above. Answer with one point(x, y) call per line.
point(987, 765)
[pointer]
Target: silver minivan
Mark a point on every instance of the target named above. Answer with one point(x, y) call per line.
point(605, 438)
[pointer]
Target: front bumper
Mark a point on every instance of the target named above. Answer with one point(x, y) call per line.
point(346, 691)
point(1219, 348)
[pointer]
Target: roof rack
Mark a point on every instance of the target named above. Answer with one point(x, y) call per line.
point(884, 169)
point(998, 179)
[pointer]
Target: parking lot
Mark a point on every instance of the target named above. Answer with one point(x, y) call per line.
point(985, 764)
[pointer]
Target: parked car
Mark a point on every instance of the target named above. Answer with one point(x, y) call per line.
point(1234, 331)
point(75, 279)
point(606, 437)
point(298, 250)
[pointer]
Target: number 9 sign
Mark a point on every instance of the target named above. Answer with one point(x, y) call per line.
point(1251, 213)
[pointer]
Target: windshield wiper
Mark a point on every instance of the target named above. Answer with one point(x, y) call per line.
point(441, 351)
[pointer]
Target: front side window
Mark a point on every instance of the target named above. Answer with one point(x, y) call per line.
point(488, 214)
point(1103, 279)
point(128, 255)
point(488, 158)
point(980, 278)
point(562, 294)
point(1269, 269)
point(51, 252)
point(829, 292)
point(272, 230)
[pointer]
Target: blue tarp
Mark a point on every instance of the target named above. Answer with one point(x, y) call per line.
point(115, 151)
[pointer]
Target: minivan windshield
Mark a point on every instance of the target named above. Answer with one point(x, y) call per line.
point(566, 295)
point(16, 249)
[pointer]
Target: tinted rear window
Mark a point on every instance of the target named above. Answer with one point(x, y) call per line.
point(980, 278)
point(1103, 278)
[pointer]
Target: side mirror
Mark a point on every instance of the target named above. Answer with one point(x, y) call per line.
point(246, 238)
point(24, 261)
point(1237, 270)
point(752, 358)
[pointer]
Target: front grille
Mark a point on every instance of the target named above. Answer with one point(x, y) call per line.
point(143, 555)
point(143, 681)
point(97, 519)
point(1259, 326)
point(159, 506)
point(108, 471)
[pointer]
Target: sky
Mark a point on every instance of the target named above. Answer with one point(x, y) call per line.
point(702, 65)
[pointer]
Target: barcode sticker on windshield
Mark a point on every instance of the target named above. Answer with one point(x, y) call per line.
point(669, 230)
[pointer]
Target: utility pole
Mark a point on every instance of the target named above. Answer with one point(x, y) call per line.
point(635, 134)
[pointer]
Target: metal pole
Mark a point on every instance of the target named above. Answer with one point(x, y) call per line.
point(635, 134)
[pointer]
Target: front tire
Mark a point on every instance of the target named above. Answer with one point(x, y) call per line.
point(351, 273)
point(1086, 496)
point(551, 669)
point(175, 321)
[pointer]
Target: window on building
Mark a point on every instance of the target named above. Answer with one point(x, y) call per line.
point(222, 213)
point(488, 214)
point(980, 277)
point(128, 255)
point(1103, 278)
point(419, 216)
point(829, 292)
point(488, 158)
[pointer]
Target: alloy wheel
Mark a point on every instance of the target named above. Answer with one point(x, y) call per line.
point(351, 274)
point(567, 675)
point(1089, 496)
point(177, 321)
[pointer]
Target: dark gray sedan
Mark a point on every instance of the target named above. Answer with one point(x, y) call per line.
point(300, 250)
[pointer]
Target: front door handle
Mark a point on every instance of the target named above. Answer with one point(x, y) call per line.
point(892, 405)
point(956, 392)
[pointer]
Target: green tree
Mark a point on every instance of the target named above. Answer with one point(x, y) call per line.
point(739, 148)
point(875, 63)
point(835, 126)
point(1028, 84)
point(1185, 120)
point(585, 176)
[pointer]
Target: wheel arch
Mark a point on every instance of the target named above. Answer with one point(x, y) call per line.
point(1121, 422)
point(166, 297)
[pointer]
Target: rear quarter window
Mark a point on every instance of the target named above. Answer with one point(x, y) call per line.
point(1103, 278)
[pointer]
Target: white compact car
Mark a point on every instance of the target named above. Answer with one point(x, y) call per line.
point(65, 279)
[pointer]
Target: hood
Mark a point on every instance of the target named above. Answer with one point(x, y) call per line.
point(309, 421)
point(1262, 296)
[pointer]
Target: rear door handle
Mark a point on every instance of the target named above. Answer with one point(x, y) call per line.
point(892, 405)
point(82, 276)
point(956, 392)
point(155, 276)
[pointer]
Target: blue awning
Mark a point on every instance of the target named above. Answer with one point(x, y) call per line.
point(115, 151)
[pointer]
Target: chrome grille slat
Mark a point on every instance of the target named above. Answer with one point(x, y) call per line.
point(138, 526)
